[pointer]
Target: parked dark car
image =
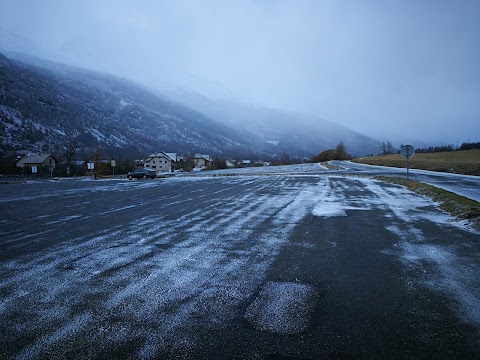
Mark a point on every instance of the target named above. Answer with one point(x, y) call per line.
point(142, 174)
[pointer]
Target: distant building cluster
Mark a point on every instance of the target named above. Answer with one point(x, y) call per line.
point(159, 162)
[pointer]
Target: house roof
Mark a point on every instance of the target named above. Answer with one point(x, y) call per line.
point(200, 156)
point(169, 156)
point(35, 159)
point(172, 156)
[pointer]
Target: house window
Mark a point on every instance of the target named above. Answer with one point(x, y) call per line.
point(50, 161)
point(165, 161)
point(153, 161)
point(154, 167)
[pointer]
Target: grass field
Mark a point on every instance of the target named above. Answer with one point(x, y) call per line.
point(458, 162)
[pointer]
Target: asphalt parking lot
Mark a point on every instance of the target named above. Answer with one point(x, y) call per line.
point(309, 266)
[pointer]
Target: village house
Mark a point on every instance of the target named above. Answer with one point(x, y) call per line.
point(38, 160)
point(230, 164)
point(200, 161)
point(160, 161)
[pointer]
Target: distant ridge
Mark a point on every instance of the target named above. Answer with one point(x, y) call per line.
point(279, 130)
point(45, 106)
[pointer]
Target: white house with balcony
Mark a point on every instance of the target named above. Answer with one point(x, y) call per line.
point(160, 161)
point(200, 161)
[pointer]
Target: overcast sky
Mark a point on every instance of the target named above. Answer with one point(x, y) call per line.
point(389, 69)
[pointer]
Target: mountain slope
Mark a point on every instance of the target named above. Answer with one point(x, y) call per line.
point(278, 130)
point(46, 106)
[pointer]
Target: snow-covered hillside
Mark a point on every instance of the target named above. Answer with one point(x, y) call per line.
point(46, 106)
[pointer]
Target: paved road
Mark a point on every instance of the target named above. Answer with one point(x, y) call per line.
point(465, 185)
point(246, 267)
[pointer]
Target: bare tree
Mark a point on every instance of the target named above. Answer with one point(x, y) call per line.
point(70, 151)
point(341, 152)
point(387, 148)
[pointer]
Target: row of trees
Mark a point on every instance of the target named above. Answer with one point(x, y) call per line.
point(464, 146)
point(432, 149)
point(470, 146)
point(387, 148)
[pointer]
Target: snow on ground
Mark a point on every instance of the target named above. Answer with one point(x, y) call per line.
point(208, 266)
point(59, 132)
point(97, 134)
point(97, 186)
point(124, 103)
point(168, 275)
point(465, 185)
point(296, 168)
point(12, 114)
point(333, 203)
point(282, 308)
point(118, 141)
point(453, 277)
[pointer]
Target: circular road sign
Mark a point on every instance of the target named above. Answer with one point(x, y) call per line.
point(407, 151)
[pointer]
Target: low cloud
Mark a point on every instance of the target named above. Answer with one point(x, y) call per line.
point(387, 69)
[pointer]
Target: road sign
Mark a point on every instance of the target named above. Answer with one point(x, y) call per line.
point(407, 151)
point(112, 163)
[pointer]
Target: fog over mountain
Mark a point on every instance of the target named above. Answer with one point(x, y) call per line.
point(392, 70)
point(277, 130)
point(47, 106)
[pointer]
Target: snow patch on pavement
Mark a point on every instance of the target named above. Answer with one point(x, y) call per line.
point(329, 208)
point(445, 270)
point(446, 273)
point(64, 219)
point(282, 308)
point(47, 342)
point(399, 202)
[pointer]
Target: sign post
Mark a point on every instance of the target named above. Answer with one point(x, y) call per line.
point(91, 166)
point(34, 171)
point(407, 152)
point(112, 164)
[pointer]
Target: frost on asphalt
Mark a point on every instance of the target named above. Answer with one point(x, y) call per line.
point(159, 278)
point(282, 308)
point(452, 274)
